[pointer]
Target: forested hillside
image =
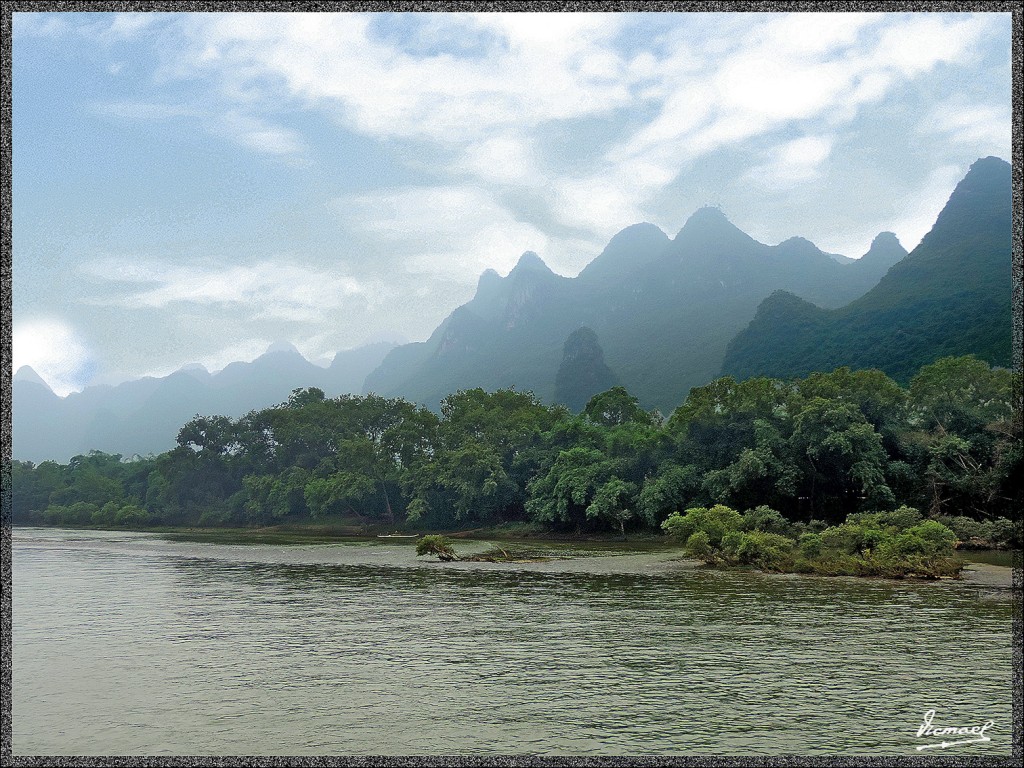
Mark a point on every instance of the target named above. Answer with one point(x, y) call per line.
point(950, 296)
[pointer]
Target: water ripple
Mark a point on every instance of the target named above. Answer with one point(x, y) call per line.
point(131, 644)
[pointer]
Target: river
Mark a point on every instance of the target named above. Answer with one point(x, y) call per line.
point(140, 644)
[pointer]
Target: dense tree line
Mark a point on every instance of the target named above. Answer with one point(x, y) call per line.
point(820, 448)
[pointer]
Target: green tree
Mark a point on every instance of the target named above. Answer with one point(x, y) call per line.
point(616, 407)
point(615, 503)
point(433, 544)
point(669, 491)
point(841, 458)
point(561, 495)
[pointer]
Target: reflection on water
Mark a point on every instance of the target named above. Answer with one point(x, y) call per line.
point(132, 644)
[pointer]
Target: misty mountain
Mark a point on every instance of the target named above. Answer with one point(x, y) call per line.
point(664, 309)
point(143, 416)
point(950, 296)
point(583, 372)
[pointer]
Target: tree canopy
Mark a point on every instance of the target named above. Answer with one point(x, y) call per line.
point(820, 448)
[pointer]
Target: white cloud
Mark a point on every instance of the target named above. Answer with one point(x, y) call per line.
point(109, 28)
point(987, 127)
point(456, 231)
point(55, 350)
point(479, 98)
point(129, 25)
point(602, 205)
point(794, 162)
point(795, 69)
point(268, 289)
point(814, 34)
point(40, 25)
point(918, 42)
point(254, 133)
point(503, 160)
point(258, 134)
point(552, 67)
point(773, 89)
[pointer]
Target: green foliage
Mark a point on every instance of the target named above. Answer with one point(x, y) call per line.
point(667, 492)
point(1000, 533)
point(886, 544)
point(433, 544)
point(811, 545)
point(765, 519)
point(765, 551)
point(562, 494)
point(951, 296)
point(850, 448)
point(615, 408)
point(614, 502)
point(715, 522)
point(699, 545)
point(893, 544)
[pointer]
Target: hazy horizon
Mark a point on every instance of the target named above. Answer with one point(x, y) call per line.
point(190, 188)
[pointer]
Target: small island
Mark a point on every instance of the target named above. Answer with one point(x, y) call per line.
point(444, 550)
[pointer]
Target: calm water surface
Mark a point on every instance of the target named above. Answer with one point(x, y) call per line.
point(135, 644)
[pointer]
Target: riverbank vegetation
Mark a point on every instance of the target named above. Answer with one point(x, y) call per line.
point(892, 544)
point(848, 451)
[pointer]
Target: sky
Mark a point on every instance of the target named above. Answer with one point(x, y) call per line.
point(195, 187)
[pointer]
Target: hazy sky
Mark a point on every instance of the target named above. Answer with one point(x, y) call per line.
point(195, 187)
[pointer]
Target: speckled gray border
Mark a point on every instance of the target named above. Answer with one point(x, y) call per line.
point(6, 744)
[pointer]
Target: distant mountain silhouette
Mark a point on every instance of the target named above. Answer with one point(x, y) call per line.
point(664, 309)
point(143, 416)
point(583, 372)
point(950, 296)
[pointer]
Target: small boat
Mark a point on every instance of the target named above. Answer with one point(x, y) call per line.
point(397, 535)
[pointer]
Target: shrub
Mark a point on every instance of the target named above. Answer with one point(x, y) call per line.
point(435, 544)
point(1005, 533)
point(715, 522)
point(699, 546)
point(938, 538)
point(131, 515)
point(731, 542)
point(869, 539)
point(997, 533)
point(903, 546)
point(965, 528)
point(79, 513)
point(811, 545)
point(902, 518)
point(764, 518)
point(105, 515)
point(215, 517)
point(843, 538)
point(833, 563)
point(767, 551)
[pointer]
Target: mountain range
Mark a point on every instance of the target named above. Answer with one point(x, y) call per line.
point(656, 314)
point(663, 311)
point(143, 416)
point(950, 296)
